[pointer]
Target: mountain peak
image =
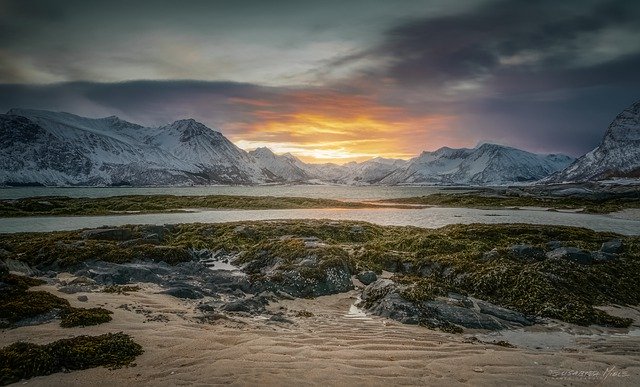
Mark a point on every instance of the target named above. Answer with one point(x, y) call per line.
point(262, 151)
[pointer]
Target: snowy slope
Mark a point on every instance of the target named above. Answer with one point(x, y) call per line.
point(287, 167)
point(488, 164)
point(64, 149)
point(617, 156)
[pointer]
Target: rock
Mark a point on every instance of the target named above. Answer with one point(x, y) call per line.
point(384, 298)
point(367, 277)
point(105, 273)
point(526, 253)
point(573, 254)
point(552, 245)
point(357, 230)
point(438, 313)
point(82, 280)
point(491, 255)
point(309, 262)
point(153, 232)
point(601, 256)
point(505, 314)
point(333, 280)
point(613, 246)
point(19, 267)
point(72, 289)
point(111, 234)
point(183, 292)
point(279, 318)
point(251, 305)
point(83, 298)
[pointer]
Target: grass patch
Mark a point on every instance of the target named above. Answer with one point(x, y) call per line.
point(594, 205)
point(58, 205)
point(22, 360)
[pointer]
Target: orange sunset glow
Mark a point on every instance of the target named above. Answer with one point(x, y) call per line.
point(329, 127)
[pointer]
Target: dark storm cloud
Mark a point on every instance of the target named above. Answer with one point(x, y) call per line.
point(540, 75)
point(516, 40)
point(145, 102)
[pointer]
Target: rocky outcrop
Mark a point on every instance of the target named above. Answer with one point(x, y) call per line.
point(386, 298)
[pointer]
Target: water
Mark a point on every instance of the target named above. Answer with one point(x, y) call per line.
point(338, 192)
point(551, 340)
point(420, 217)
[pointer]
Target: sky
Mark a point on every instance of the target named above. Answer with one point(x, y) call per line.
point(329, 80)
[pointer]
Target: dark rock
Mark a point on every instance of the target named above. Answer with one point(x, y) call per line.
point(106, 273)
point(112, 234)
point(367, 277)
point(384, 298)
point(83, 298)
point(279, 318)
point(601, 256)
point(491, 255)
point(502, 313)
point(183, 292)
point(614, 246)
point(251, 305)
point(573, 254)
point(552, 245)
point(333, 280)
point(82, 280)
point(526, 253)
point(438, 313)
point(72, 289)
point(19, 267)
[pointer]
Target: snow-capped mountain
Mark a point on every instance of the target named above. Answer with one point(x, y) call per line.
point(64, 149)
point(487, 164)
point(617, 156)
point(59, 149)
point(287, 167)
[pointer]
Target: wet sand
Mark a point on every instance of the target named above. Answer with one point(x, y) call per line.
point(336, 345)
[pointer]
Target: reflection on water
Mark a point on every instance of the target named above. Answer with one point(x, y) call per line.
point(422, 217)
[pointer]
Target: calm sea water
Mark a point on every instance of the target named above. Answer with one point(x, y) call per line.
point(338, 192)
point(421, 217)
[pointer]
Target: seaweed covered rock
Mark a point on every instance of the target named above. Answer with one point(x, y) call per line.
point(388, 299)
point(526, 253)
point(25, 360)
point(614, 246)
point(19, 306)
point(110, 234)
point(574, 254)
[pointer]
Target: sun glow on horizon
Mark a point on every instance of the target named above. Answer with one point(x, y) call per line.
point(329, 126)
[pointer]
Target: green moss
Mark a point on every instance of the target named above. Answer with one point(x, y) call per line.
point(25, 360)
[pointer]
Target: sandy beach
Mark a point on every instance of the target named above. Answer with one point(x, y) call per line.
point(324, 341)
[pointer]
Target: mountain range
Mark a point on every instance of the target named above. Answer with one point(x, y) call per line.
point(61, 149)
